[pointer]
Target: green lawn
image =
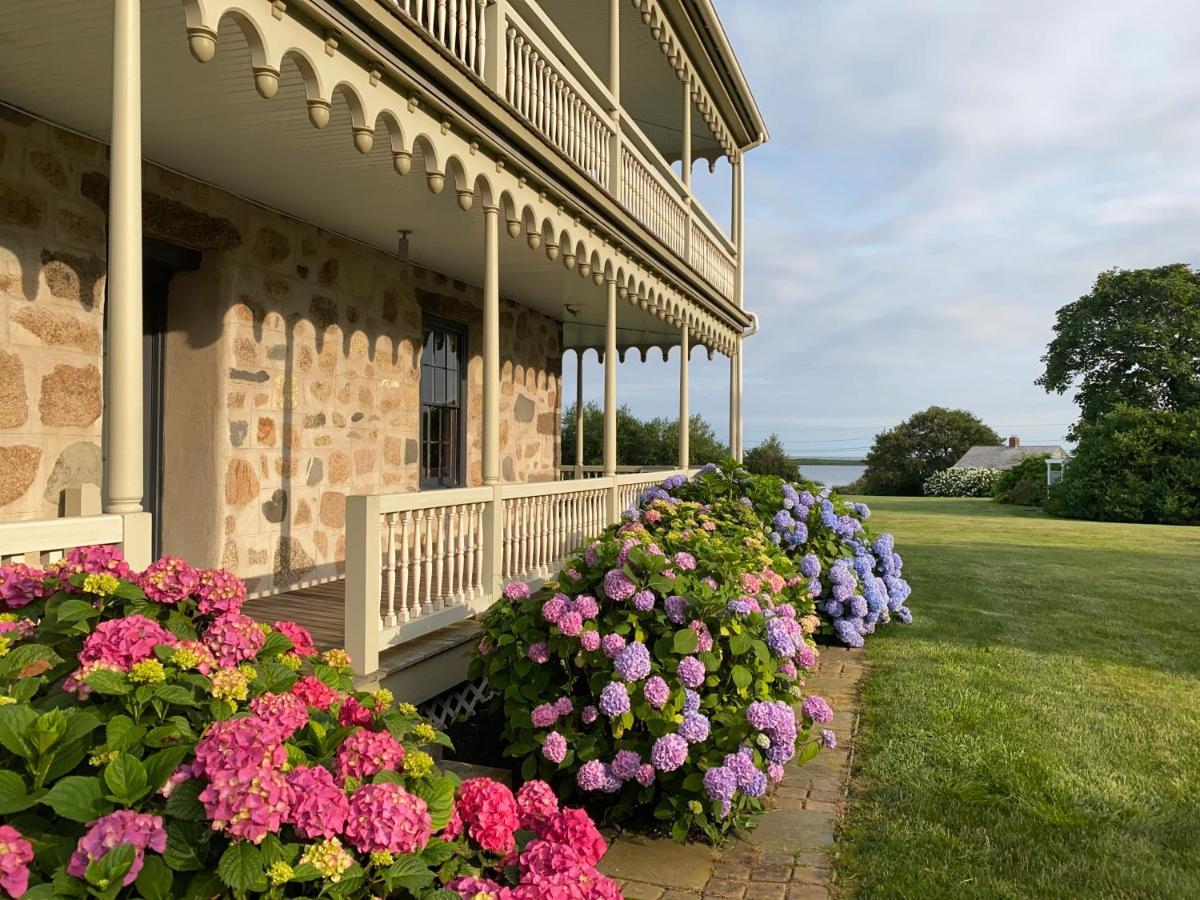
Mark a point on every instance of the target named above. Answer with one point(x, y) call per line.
point(1036, 732)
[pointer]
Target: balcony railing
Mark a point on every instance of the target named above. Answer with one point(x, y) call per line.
point(42, 542)
point(417, 562)
point(519, 53)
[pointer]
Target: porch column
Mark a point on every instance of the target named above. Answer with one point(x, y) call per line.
point(614, 49)
point(739, 226)
point(123, 479)
point(578, 414)
point(493, 515)
point(735, 402)
point(685, 419)
point(685, 152)
point(610, 399)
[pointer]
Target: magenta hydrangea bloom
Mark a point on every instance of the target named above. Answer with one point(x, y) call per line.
point(488, 811)
point(234, 638)
point(469, 887)
point(285, 712)
point(544, 715)
point(656, 692)
point(570, 624)
point(554, 748)
point(646, 775)
point(99, 559)
point(669, 753)
point(806, 657)
point(302, 642)
point(542, 858)
point(590, 641)
point(591, 776)
point(691, 672)
point(220, 592)
point(365, 753)
point(587, 606)
point(618, 586)
point(536, 803)
point(125, 826)
point(385, 818)
point(238, 745)
point(564, 706)
point(589, 714)
point(517, 590)
point(575, 828)
point(539, 653)
point(554, 608)
point(122, 642)
point(169, 580)
point(612, 644)
point(20, 585)
point(16, 853)
point(685, 561)
point(817, 709)
point(314, 692)
point(319, 806)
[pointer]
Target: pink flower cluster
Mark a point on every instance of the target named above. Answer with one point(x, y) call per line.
point(365, 753)
point(319, 805)
point(20, 585)
point(559, 863)
point(386, 818)
point(117, 644)
point(100, 559)
point(314, 692)
point(16, 854)
point(234, 638)
point(169, 580)
point(517, 590)
point(220, 592)
point(302, 642)
point(287, 713)
point(247, 794)
point(125, 826)
point(547, 714)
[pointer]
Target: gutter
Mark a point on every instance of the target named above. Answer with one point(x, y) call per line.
point(711, 24)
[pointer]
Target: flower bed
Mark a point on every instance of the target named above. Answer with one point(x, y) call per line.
point(157, 742)
point(656, 676)
point(966, 482)
point(855, 579)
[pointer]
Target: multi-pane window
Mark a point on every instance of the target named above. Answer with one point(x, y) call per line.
point(443, 374)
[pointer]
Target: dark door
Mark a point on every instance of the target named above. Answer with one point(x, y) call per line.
point(160, 263)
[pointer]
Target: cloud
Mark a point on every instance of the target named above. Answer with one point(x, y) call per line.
point(942, 176)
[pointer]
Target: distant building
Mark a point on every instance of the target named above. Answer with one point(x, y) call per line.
point(1006, 456)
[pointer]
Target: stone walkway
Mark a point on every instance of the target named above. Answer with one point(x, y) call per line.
point(786, 857)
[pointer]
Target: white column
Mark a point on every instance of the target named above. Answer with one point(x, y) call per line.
point(735, 397)
point(684, 416)
point(610, 399)
point(123, 478)
point(686, 150)
point(741, 447)
point(578, 414)
point(491, 345)
point(739, 226)
point(614, 49)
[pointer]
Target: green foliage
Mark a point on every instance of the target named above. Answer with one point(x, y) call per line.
point(1133, 341)
point(769, 458)
point(903, 457)
point(1134, 465)
point(650, 442)
point(1024, 484)
point(729, 544)
point(967, 482)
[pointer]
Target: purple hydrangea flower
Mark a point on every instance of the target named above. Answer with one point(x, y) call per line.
point(656, 692)
point(633, 663)
point(618, 586)
point(612, 644)
point(817, 709)
point(756, 786)
point(676, 608)
point(563, 706)
point(828, 739)
point(587, 606)
point(614, 699)
point(694, 728)
point(553, 609)
point(590, 640)
point(691, 672)
point(775, 772)
point(554, 748)
point(779, 638)
point(645, 775)
point(669, 753)
point(847, 632)
point(591, 776)
point(643, 601)
point(589, 714)
point(738, 607)
point(806, 656)
point(626, 764)
point(741, 764)
point(539, 652)
point(810, 566)
point(691, 701)
point(720, 783)
point(685, 561)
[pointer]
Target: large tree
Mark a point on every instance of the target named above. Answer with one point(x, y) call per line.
point(653, 442)
point(1134, 340)
point(927, 442)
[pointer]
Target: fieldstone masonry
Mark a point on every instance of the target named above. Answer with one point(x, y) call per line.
point(292, 363)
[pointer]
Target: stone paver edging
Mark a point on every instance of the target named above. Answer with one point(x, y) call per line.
point(786, 857)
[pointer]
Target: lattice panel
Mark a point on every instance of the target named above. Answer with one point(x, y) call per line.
point(461, 701)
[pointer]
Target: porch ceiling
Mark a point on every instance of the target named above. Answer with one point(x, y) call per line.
point(208, 122)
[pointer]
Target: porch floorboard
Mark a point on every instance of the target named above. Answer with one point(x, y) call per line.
point(320, 608)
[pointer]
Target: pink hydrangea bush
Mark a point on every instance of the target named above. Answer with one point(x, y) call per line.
point(165, 743)
point(629, 677)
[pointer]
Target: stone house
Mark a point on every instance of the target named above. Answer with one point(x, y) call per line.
point(287, 287)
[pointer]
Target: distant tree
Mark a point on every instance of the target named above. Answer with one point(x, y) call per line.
point(639, 442)
point(1134, 340)
point(903, 457)
point(769, 458)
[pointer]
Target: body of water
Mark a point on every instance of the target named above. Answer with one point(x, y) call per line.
point(834, 476)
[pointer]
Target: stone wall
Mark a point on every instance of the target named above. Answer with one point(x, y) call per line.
point(292, 364)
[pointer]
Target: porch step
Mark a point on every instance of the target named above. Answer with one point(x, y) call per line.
point(426, 666)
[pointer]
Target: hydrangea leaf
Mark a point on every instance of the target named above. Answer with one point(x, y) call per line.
point(79, 798)
point(241, 867)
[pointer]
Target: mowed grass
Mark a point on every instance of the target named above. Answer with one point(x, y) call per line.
point(1036, 732)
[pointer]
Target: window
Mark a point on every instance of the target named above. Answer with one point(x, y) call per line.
point(443, 382)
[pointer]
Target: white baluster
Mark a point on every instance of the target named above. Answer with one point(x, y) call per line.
point(427, 564)
point(439, 567)
point(405, 571)
point(389, 617)
point(510, 65)
point(452, 555)
point(478, 530)
point(461, 17)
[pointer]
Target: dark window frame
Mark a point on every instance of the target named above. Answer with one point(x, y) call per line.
point(447, 327)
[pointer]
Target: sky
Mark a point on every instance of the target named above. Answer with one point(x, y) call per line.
point(942, 176)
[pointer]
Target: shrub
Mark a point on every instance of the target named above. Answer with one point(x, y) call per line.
point(657, 672)
point(968, 482)
point(156, 742)
point(902, 458)
point(1024, 484)
point(770, 458)
point(1134, 465)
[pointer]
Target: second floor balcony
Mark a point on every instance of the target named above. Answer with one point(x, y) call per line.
point(611, 87)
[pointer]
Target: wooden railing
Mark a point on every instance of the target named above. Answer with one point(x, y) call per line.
point(546, 95)
point(456, 25)
point(713, 262)
point(418, 562)
point(650, 195)
point(41, 542)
